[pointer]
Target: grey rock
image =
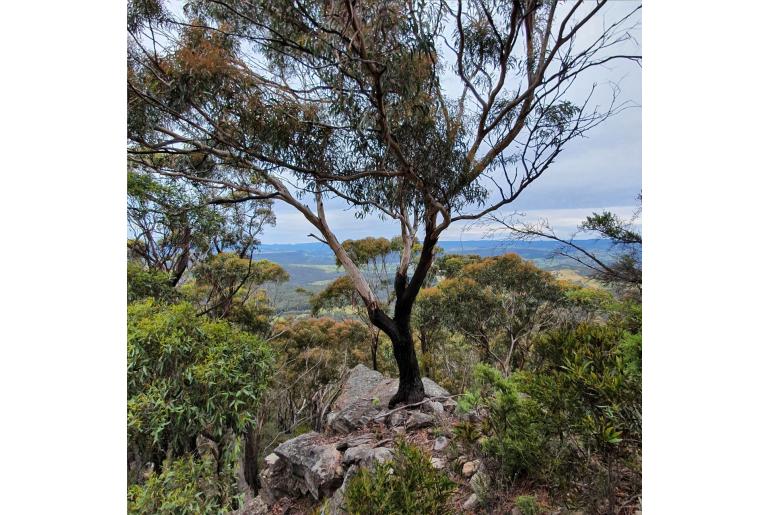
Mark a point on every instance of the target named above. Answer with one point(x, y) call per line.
point(360, 381)
point(356, 454)
point(363, 396)
point(435, 408)
point(355, 441)
point(432, 389)
point(366, 456)
point(378, 455)
point(396, 419)
point(471, 503)
point(418, 420)
point(305, 465)
point(440, 443)
point(335, 506)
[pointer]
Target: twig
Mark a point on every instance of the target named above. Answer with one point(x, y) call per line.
point(407, 406)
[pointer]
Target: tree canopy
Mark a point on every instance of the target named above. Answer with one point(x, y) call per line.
point(427, 113)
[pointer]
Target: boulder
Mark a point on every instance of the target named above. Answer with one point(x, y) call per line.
point(378, 455)
point(304, 465)
point(363, 396)
point(355, 441)
point(396, 419)
point(432, 389)
point(366, 394)
point(434, 407)
point(367, 456)
point(356, 454)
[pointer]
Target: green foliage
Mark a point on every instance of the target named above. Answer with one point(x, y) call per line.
point(188, 485)
point(467, 432)
point(337, 294)
point(367, 250)
point(144, 283)
point(612, 227)
point(575, 411)
point(496, 304)
point(517, 429)
point(189, 375)
point(228, 286)
point(226, 270)
point(326, 345)
point(449, 265)
point(528, 505)
point(173, 226)
point(409, 484)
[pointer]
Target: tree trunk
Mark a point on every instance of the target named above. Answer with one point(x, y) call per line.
point(374, 344)
point(251, 460)
point(410, 388)
point(424, 349)
point(398, 328)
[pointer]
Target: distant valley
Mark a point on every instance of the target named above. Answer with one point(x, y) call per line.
point(312, 265)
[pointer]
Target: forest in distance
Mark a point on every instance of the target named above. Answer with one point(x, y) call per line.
point(408, 374)
point(311, 266)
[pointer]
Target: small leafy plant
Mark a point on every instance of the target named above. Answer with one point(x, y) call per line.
point(409, 484)
point(528, 505)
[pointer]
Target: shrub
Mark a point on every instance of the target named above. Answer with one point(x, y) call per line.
point(144, 283)
point(189, 375)
point(527, 504)
point(188, 485)
point(575, 411)
point(517, 428)
point(409, 484)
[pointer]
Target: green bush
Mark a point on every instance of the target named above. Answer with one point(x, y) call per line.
point(189, 375)
point(408, 485)
point(574, 412)
point(144, 283)
point(527, 504)
point(186, 486)
point(517, 427)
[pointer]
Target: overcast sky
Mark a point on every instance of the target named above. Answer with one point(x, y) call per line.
point(601, 171)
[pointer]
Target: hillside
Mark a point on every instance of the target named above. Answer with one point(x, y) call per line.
point(312, 265)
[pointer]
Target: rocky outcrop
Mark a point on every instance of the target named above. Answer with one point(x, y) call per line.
point(366, 393)
point(321, 465)
point(302, 465)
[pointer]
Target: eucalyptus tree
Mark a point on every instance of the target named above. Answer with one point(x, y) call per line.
point(622, 266)
point(427, 113)
point(173, 226)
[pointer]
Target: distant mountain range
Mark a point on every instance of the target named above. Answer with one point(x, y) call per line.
point(311, 265)
point(320, 254)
